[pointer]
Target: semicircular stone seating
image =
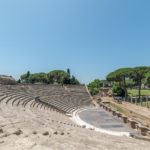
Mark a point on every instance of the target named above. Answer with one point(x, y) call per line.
point(63, 99)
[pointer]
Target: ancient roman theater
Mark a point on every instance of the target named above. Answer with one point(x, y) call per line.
point(49, 117)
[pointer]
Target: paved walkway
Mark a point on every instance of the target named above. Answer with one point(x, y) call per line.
point(100, 118)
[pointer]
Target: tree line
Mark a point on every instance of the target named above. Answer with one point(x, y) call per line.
point(53, 77)
point(122, 79)
point(137, 75)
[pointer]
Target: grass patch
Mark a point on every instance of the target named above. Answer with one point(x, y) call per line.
point(135, 92)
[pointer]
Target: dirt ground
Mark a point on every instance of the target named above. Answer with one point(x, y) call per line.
point(140, 113)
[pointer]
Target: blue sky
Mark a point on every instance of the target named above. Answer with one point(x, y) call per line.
point(91, 37)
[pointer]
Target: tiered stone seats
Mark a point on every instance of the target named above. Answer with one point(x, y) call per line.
point(11, 97)
point(65, 99)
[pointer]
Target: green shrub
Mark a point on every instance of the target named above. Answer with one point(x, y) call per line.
point(117, 90)
point(94, 87)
